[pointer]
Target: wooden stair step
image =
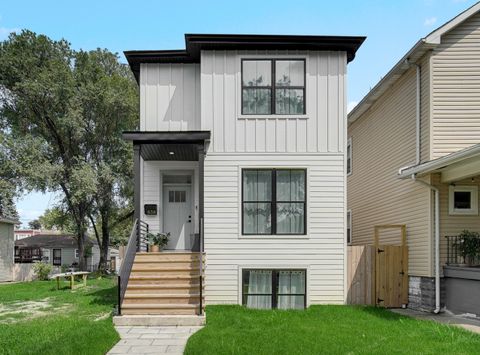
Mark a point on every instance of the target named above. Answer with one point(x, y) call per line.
point(160, 288)
point(161, 299)
point(165, 266)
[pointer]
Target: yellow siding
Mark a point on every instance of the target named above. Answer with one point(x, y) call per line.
point(383, 140)
point(453, 225)
point(456, 89)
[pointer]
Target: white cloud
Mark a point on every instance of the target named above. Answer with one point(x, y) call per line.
point(430, 21)
point(351, 105)
point(4, 32)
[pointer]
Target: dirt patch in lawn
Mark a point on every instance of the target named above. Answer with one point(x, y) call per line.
point(20, 311)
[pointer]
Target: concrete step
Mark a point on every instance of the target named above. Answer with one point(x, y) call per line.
point(160, 309)
point(159, 320)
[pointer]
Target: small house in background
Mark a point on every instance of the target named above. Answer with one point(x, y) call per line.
point(25, 233)
point(6, 248)
point(57, 250)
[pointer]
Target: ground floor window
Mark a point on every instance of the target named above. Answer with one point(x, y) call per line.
point(267, 289)
point(57, 257)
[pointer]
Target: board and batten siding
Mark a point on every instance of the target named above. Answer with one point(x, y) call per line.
point(321, 129)
point(456, 89)
point(383, 141)
point(321, 252)
point(6, 251)
point(169, 97)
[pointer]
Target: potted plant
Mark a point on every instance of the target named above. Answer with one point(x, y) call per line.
point(157, 241)
point(468, 246)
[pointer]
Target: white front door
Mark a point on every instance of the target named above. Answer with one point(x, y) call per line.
point(177, 216)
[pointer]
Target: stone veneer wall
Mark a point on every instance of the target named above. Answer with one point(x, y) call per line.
point(421, 293)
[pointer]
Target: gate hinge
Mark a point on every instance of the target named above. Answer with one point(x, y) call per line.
point(379, 300)
point(402, 273)
point(380, 251)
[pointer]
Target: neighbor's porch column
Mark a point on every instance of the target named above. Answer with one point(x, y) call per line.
point(136, 180)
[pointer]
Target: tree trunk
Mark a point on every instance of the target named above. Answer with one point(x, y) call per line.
point(104, 213)
point(81, 236)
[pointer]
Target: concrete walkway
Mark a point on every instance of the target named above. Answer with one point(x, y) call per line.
point(444, 317)
point(152, 340)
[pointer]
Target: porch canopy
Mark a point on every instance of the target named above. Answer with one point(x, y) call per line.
point(175, 145)
point(453, 167)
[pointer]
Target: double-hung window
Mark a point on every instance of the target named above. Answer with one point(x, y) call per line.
point(273, 87)
point(267, 289)
point(274, 201)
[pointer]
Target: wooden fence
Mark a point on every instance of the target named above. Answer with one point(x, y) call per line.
point(361, 274)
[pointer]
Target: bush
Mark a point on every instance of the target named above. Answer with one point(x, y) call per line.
point(42, 270)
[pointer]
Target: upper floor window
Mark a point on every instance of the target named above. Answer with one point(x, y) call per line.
point(463, 200)
point(349, 156)
point(349, 227)
point(274, 201)
point(273, 87)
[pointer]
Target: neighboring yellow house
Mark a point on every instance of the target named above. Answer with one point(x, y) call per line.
point(414, 141)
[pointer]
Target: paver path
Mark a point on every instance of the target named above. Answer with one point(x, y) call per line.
point(152, 340)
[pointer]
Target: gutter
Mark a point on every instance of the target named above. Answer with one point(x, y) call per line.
point(437, 241)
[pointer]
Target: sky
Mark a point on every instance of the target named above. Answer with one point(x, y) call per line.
point(391, 26)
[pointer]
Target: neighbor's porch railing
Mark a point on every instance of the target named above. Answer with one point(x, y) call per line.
point(136, 242)
point(456, 254)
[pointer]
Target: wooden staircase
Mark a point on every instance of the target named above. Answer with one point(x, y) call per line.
point(164, 283)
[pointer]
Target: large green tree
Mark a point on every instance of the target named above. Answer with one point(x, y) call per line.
point(62, 113)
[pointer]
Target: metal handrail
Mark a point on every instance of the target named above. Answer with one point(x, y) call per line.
point(200, 311)
point(136, 242)
point(454, 251)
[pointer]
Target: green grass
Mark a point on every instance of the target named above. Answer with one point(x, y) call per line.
point(325, 330)
point(36, 318)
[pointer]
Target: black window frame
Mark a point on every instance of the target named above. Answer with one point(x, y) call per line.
point(273, 202)
point(275, 292)
point(273, 86)
point(55, 261)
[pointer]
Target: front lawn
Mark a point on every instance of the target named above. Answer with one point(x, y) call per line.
point(35, 318)
point(325, 330)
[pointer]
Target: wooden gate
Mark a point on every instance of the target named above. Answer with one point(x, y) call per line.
point(391, 270)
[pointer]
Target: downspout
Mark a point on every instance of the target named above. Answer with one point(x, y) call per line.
point(417, 115)
point(437, 241)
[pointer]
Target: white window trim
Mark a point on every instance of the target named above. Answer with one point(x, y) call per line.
point(474, 201)
point(349, 144)
point(269, 56)
point(349, 221)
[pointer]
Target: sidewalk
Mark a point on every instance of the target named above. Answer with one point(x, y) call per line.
point(443, 317)
point(152, 340)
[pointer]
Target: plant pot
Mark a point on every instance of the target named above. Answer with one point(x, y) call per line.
point(154, 248)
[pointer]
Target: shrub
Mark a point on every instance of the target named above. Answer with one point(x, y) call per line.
point(468, 245)
point(42, 270)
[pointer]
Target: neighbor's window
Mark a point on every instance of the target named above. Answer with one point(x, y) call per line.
point(273, 87)
point(267, 289)
point(273, 201)
point(76, 253)
point(349, 156)
point(349, 227)
point(463, 200)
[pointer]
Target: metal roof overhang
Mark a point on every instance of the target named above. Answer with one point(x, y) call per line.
point(175, 145)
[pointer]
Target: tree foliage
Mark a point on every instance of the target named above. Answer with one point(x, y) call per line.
point(61, 117)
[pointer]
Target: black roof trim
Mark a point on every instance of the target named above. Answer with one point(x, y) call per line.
point(143, 137)
point(195, 43)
